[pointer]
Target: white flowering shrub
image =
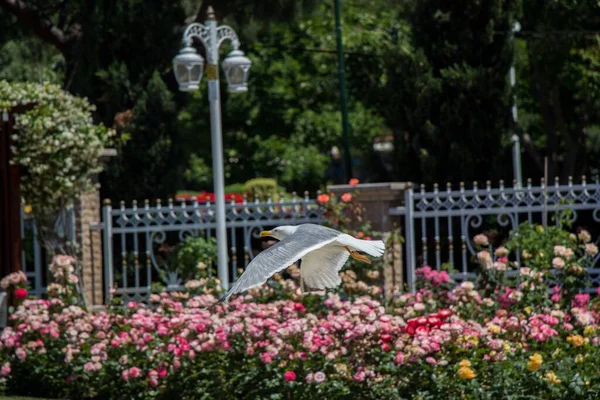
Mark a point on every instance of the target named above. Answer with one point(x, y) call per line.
point(57, 144)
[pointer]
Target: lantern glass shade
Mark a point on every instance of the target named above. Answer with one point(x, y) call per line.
point(188, 66)
point(237, 67)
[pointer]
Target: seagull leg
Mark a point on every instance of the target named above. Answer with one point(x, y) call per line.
point(357, 256)
point(301, 277)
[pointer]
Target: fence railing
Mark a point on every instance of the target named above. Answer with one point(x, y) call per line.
point(440, 224)
point(137, 240)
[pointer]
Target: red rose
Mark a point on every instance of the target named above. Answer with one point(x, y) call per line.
point(353, 182)
point(289, 376)
point(322, 198)
point(21, 293)
point(346, 197)
point(386, 338)
point(413, 323)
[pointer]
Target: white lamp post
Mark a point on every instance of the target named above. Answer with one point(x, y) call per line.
point(188, 66)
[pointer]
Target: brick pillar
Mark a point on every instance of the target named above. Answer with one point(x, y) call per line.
point(377, 199)
point(88, 211)
point(393, 274)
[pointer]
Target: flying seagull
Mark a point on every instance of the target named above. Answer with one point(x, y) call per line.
point(323, 252)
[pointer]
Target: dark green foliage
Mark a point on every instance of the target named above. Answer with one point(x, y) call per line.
point(441, 83)
point(193, 251)
point(148, 165)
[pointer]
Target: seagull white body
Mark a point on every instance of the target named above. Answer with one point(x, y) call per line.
point(323, 252)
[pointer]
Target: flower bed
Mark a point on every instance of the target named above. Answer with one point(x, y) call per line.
point(496, 337)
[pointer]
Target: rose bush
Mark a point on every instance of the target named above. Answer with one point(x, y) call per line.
point(495, 337)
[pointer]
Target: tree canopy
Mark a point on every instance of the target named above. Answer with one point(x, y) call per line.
point(431, 75)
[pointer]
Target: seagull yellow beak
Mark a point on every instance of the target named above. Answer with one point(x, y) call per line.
point(265, 234)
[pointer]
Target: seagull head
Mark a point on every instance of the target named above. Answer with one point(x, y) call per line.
point(279, 233)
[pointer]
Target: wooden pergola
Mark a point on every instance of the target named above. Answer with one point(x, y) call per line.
point(10, 195)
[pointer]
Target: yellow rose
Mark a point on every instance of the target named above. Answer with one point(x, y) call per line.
point(466, 373)
point(589, 331)
point(494, 329)
point(27, 209)
point(539, 229)
point(527, 310)
point(464, 363)
point(579, 359)
point(576, 340)
point(535, 362)
point(551, 378)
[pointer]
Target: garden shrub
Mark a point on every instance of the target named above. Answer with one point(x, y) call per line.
point(57, 144)
point(261, 189)
point(194, 256)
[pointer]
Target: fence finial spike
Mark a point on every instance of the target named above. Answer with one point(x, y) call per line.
point(134, 202)
point(122, 202)
point(146, 201)
point(158, 201)
point(107, 202)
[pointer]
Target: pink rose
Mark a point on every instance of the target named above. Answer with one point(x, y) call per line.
point(21, 354)
point(320, 377)
point(400, 358)
point(266, 358)
point(134, 372)
point(359, 376)
point(5, 369)
point(289, 376)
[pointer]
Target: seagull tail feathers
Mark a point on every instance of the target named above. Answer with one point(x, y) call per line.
point(374, 248)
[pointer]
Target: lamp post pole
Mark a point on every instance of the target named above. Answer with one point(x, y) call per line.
point(343, 94)
point(212, 74)
point(188, 67)
point(516, 150)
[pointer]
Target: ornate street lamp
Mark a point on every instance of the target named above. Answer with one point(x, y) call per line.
point(188, 66)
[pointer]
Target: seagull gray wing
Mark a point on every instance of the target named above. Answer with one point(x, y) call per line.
point(307, 238)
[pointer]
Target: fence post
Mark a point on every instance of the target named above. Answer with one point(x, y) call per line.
point(410, 236)
point(107, 250)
